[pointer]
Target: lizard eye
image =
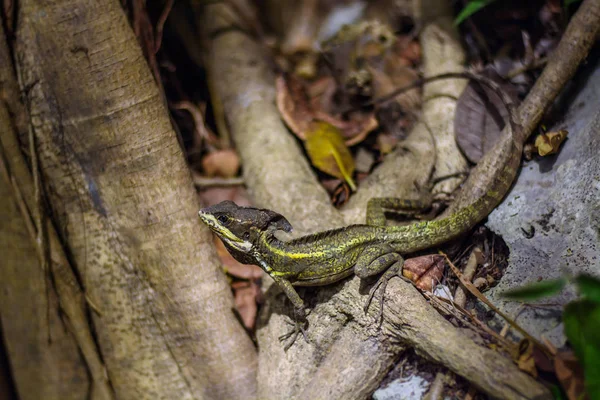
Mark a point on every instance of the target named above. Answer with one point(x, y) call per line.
point(224, 219)
point(246, 235)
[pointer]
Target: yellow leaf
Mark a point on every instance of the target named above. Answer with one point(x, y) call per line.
point(549, 143)
point(328, 152)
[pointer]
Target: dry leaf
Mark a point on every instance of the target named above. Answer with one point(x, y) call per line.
point(245, 295)
point(526, 360)
point(328, 152)
point(356, 129)
point(549, 142)
point(298, 111)
point(570, 374)
point(410, 51)
point(480, 117)
point(425, 271)
point(223, 163)
point(293, 105)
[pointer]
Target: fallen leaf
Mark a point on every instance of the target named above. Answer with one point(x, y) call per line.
point(340, 195)
point(223, 163)
point(425, 271)
point(356, 129)
point(298, 111)
point(480, 117)
point(245, 296)
point(409, 50)
point(328, 152)
point(526, 360)
point(549, 142)
point(293, 105)
point(570, 374)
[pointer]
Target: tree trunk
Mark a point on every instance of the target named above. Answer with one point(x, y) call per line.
point(123, 204)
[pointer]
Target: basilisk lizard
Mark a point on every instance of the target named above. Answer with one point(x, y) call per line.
point(366, 250)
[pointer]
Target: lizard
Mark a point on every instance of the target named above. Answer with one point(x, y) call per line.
point(366, 250)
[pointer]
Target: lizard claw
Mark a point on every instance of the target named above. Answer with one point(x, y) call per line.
point(298, 326)
point(394, 270)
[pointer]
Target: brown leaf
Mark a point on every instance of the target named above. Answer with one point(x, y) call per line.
point(409, 50)
point(328, 152)
point(395, 116)
point(245, 295)
point(356, 129)
point(480, 117)
point(298, 111)
point(425, 271)
point(526, 360)
point(359, 124)
point(223, 163)
point(549, 142)
point(293, 105)
point(570, 374)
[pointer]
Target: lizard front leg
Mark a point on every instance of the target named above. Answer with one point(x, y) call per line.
point(299, 320)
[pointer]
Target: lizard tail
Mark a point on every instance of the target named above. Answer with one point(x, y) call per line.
point(432, 233)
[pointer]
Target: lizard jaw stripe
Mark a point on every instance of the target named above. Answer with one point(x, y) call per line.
point(224, 233)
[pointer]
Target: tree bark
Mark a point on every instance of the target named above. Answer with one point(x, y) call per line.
point(123, 203)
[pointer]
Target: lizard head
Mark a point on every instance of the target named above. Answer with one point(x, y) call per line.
point(240, 227)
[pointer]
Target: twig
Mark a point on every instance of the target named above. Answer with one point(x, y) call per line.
point(468, 319)
point(475, 292)
point(203, 182)
point(160, 25)
point(436, 390)
point(524, 68)
point(201, 131)
point(460, 296)
point(506, 99)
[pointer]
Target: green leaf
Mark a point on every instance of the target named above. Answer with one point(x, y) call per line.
point(557, 394)
point(536, 290)
point(589, 287)
point(582, 327)
point(471, 8)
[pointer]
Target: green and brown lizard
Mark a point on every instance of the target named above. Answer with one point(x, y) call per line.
point(366, 250)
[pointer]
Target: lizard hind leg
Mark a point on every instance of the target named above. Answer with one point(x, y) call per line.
point(377, 205)
point(394, 270)
point(374, 260)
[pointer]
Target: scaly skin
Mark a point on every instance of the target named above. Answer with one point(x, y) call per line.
point(327, 257)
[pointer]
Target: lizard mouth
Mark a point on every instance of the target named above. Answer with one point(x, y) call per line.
point(224, 233)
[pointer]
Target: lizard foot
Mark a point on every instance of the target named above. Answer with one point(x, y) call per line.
point(394, 270)
point(298, 326)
